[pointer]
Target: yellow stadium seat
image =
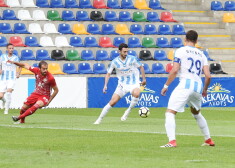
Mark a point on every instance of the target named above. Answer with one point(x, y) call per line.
point(171, 54)
point(26, 72)
point(141, 4)
point(197, 45)
point(228, 18)
point(54, 68)
point(79, 29)
point(122, 29)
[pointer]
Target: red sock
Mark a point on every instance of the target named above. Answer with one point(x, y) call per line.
point(30, 111)
point(22, 112)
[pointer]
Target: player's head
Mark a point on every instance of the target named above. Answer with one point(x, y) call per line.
point(123, 49)
point(10, 48)
point(43, 66)
point(191, 36)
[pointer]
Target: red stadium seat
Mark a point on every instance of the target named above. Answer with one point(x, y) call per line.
point(17, 41)
point(105, 42)
point(169, 67)
point(2, 4)
point(99, 4)
point(167, 17)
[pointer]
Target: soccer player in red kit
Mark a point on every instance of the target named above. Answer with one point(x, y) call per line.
point(41, 96)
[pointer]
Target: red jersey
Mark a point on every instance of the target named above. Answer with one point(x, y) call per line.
point(43, 83)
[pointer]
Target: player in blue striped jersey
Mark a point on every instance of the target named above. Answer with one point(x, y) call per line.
point(8, 75)
point(127, 71)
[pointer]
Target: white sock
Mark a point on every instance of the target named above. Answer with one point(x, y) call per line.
point(8, 100)
point(170, 125)
point(134, 101)
point(201, 121)
point(105, 111)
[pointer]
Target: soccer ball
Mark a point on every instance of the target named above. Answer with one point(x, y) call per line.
point(144, 112)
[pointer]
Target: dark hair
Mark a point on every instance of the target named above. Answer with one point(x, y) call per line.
point(122, 45)
point(192, 36)
point(9, 44)
point(42, 63)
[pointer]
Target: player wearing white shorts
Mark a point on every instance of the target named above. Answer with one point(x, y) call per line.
point(128, 81)
point(189, 62)
point(8, 75)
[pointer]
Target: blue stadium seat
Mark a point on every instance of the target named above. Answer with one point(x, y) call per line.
point(31, 41)
point(110, 16)
point(82, 16)
point(229, 6)
point(118, 40)
point(42, 3)
point(125, 16)
point(164, 29)
point(14, 52)
point(42, 55)
point(178, 30)
point(127, 4)
point(108, 29)
point(158, 68)
point(71, 4)
point(162, 42)
point(150, 29)
point(93, 29)
point(20, 28)
point(113, 4)
point(155, 4)
point(90, 42)
point(146, 68)
point(133, 52)
point(153, 17)
point(102, 55)
point(69, 68)
point(0, 51)
point(76, 41)
point(35, 65)
point(99, 68)
point(134, 42)
point(64, 28)
point(87, 55)
point(216, 6)
point(68, 15)
point(27, 55)
point(84, 68)
point(56, 4)
point(136, 29)
point(5, 28)
point(8, 14)
point(176, 42)
point(160, 55)
point(85, 4)
point(206, 53)
point(3, 41)
point(114, 54)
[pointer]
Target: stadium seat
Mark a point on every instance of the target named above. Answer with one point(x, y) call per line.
point(54, 68)
point(110, 16)
point(17, 41)
point(150, 29)
point(35, 28)
point(61, 41)
point(46, 41)
point(127, 4)
point(87, 55)
point(57, 55)
point(53, 15)
point(125, 16)
point(3, 41)
point(27, 55)
point(20, 28)
point(122, 29)
point(64, 28)
point(102, 55)
point(24, 15)
point(146, 68)
point(56, 4)
point(28, 4)
point(178, 29)
point(134, 42)
point(99, 4)
point(90, 42)
point(176, 42)
point(76, 41)
point(114, 4)
point(96, 16)
point(153, 17)
point(215, 68)
point(169, 67)
point(141, 4)
point(216, 6)
point(13, 3)
point(171, 54)
point(105, 42)
point(155, 4)
point(162, 42)
point(31, 41)
point(228, 18)
point(145, 55)
point(9, 15)
point(108, 29)
point(99, 68)
point(148, 42)
point(15, 52)
point(118, 40)
point(26, 72)
point(85, 4)
point(42, 3)
point(67, 15)
point(3, 4)
point(229, 6)
point(167, 17)
point(69, 68)
point(49, 28)
point(164, 29)
point(71, 4)
point(206, 53)
point(160, 55)
point(158, 68)
point(5, 28)
point(114, 54)
point(133, 52)
point(93, 29)
point(136, 29)
point(82, 16)
point(139, 17)
point(35, 64)
point(84, 68)
point(42, 55)
point(39, 15)
point(72, 55)
point(0, 44)
point(79, 29)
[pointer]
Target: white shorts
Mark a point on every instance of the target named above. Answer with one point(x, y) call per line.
point(7, 84)
point(123, 89)
point(180, 97)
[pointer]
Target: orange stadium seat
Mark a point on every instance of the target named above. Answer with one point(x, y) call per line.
point(54, 68)
point(170, 54)
point(228, 18)
point(26, 72)
point(122, 29)
point(141, 4)
point(79, 29)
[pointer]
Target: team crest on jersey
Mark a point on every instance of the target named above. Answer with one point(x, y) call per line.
point(45, 80)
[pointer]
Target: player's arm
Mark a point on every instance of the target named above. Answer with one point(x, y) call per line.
point(22, 65)
point(55, 92)
point(143, 75)
point(106, 81)
point(1, 65)
point(207, 79)
point(18, 72)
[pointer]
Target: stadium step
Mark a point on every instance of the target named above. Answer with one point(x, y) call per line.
point(213, 31)
point(194, 19)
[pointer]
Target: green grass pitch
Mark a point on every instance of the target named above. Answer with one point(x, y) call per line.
point(67, 138)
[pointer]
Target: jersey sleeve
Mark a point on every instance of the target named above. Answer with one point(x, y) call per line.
point(137, 63)
point(52, 81)
point(112, 66)
point(34, 69)
point(177, 56)
point(17, 59)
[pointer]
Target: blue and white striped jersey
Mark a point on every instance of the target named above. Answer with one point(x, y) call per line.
point(8, 70)
point(127, 70)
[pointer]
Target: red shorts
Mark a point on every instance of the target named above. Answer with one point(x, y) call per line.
point(34, 97)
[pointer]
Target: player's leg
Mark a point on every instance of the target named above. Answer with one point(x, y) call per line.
point(22, 111)
point(8, 100)
point(3, 89)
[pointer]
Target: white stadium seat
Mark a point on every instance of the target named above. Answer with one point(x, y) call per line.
point(49, 28)
point(35, 28)
point(61, 41)
point(39, 15)
point(46, 41)
point(24, 15)
point(28, 3)
point(13, 3)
